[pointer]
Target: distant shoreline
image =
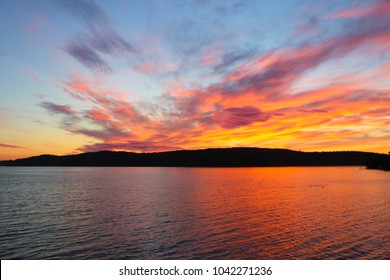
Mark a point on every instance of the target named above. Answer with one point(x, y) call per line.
point(222, 157)
point(379, 163)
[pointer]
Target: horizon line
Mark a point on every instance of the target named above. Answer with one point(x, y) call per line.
point(200, 149)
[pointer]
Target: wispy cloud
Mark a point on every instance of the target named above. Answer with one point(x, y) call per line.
point(3, 145)
point(237, 117)
point(101, 38)
point(250, 99)
point(109, 42)
point(233, 58)
point(87, 11)
point(137, 146)
point(381, 8)
point(88, 57)
point(59, 109)
point(69, 115)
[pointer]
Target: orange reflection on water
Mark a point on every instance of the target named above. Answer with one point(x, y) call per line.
point(196, 213)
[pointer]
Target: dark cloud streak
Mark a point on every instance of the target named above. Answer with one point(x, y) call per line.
point(88, 57)
point(236, 117)
point(139, 146)
point(233, 58)
point(100, 39)
point(86, 11)
point(59, 109)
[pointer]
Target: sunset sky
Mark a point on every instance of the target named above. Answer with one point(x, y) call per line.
point(157, 75)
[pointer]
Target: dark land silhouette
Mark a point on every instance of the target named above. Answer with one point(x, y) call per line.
point(381, 162)
point(222, 157)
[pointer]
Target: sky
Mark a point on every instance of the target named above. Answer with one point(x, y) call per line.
point(157, 75)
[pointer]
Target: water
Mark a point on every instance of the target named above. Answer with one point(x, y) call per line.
point(194, 213)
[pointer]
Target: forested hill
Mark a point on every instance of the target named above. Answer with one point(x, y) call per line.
point(224, 157)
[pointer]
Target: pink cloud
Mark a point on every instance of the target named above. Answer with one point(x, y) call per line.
point(382, 8)
point(308, 28)
point(236, 117)
point(98, 115)
point(254, 93)
point(36, 25)
point(150, 44)
point(152, 66)
point(210, 56)
point(3, 145)
point(148, 67)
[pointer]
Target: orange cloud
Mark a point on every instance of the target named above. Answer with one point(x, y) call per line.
point(252, 103)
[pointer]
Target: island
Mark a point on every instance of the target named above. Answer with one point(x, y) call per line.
point(213, 157)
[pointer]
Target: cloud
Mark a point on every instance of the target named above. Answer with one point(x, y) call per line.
point(101, 38)
point(3, 145)
point(108, 102)
point(113, 125)
point(210, 56)
point(59, 109)
point(187, 37)
point(108, 127)
point(249, 102)
point(237, 117)
point(210, 117)
point(137, 146)
point(69, 116)
point(310, 27)
point(107, 117)
point(313, 111)
point(232, 58)
point(86, 11)
point(88, 57)
point(109, 42)
point(381, 8)
point(273, 73)
point(107, 133)
point(155, 67)
point(230, 9)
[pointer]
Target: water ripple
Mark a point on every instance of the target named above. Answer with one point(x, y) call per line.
point(194, 213)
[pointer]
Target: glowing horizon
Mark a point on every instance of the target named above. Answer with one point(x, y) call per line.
point(146, 76)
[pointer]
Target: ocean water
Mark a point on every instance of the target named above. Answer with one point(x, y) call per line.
point(194, 213)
